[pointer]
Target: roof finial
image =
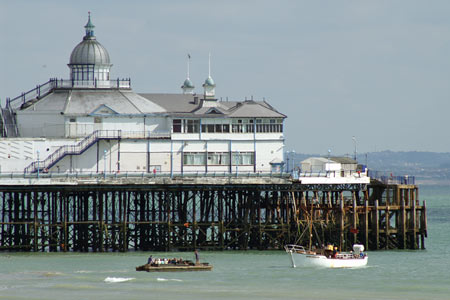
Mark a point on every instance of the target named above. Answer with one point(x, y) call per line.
point(209, 84)
point(188, 87)
point(188, 62)
point(209, 65)
point(89, 26)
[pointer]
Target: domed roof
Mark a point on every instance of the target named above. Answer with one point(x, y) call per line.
point(89, 51)
point(209, 81)
point(188, 84)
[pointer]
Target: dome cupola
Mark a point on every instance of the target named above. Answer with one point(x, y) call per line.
point(89, 62)
point(188, 87)
point(209, 85)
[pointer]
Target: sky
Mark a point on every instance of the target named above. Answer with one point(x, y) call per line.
point(370, 74)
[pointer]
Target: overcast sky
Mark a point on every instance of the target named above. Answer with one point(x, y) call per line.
point(376, 70)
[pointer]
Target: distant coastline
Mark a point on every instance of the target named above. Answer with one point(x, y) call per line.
point(433, 182)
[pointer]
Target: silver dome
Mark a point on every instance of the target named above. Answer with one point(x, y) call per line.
point(89, 51)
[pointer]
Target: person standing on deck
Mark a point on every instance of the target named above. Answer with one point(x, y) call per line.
point(197, 260)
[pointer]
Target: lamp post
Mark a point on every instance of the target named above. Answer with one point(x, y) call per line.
point(37, 152)
point(328, 164)
point(287, 161)
point(104, 164)
point(237, 162)
point(293, 160)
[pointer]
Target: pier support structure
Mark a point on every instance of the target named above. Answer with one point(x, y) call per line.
point(121, 217)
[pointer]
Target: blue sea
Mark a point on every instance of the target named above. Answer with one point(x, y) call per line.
point(421, 274)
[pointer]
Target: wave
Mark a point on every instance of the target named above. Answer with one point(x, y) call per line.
point(117, 279)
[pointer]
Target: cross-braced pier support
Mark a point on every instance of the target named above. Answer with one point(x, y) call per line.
point(115, 217)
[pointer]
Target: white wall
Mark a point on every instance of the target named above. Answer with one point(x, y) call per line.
point(123, 123)
point(158, 124)
point(40, 124)
point(134, 154)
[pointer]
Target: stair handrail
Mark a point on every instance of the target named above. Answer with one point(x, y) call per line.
point(38, 91)
point(4, 127)
point(72, 149)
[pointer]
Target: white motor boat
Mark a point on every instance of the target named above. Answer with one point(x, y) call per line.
point(328, 257)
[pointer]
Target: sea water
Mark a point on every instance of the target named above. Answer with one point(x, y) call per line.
point(420, 274)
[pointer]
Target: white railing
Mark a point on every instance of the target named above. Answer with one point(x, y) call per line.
point(118, 83)
point(41, 90)
point(294, 248)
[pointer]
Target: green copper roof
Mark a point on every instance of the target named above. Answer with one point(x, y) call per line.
point(89, 27)
point(188, 84)
point(209, 81)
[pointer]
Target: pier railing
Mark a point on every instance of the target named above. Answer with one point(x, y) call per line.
point(136, 174)
point(44, 89)
point(386, 178)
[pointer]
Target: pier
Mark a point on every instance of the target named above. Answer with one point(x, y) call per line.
point(122, 212)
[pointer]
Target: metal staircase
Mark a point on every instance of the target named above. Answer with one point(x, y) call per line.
point(8, 123)
point(77, 149)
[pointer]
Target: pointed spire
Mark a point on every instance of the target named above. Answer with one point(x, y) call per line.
point(89, 27)
point(188, 87)
point(209, 81)
point(188, 63)
point(209, 65)
point(209, 84)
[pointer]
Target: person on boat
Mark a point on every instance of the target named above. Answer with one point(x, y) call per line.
point(328, 252)
point(335, 252)
point(197, 260)
point(150, 260)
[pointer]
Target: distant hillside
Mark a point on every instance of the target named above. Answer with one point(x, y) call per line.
point(427, 167)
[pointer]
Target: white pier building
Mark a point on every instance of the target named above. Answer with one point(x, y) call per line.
point(92, 123)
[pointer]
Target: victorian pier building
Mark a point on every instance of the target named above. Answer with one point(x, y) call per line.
point(87, 164)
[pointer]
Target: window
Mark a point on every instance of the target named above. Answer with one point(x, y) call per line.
point(217, 127)
point(237, 126)
point(243, 158)
point(72, 120)
point(250, 126)
point(219, 158)
point(97, 119)
point(269, 125)
point(194, 158)
point(191, 126)
point(243, 125)
point(176, 125)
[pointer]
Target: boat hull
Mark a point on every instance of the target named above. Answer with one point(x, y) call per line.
point(298, 259)
point(175, 268)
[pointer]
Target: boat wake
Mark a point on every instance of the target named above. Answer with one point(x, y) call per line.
point(164, 279)
point(117, 279)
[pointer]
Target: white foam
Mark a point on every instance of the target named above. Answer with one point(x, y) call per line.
point(83, 271)
point(164, 279)
point(117, 279)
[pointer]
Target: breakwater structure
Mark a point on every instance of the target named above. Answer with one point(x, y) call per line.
point(121, 212)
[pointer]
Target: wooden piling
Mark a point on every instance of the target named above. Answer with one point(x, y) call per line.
point(120, 217)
